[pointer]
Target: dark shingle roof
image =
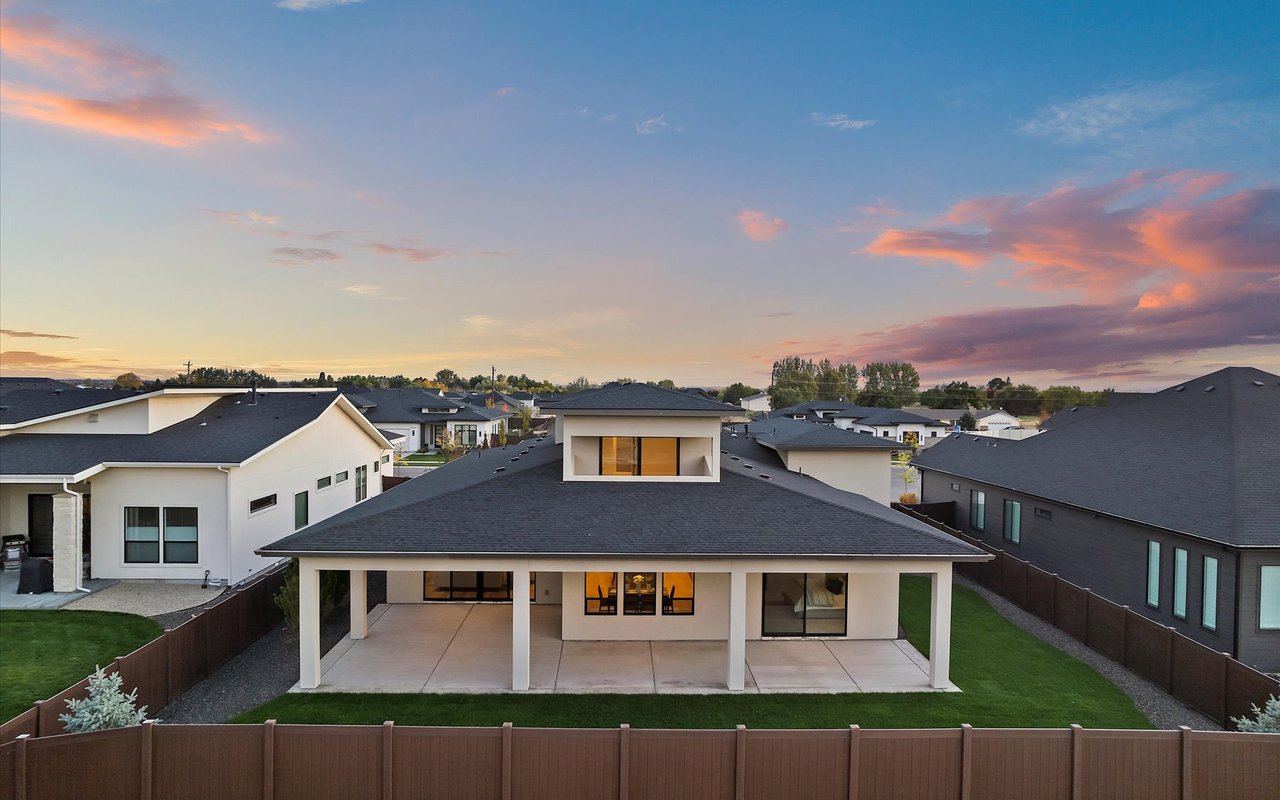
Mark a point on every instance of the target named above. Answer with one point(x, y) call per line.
point(229, 431)
point(637, 397)
point(1069, 415)
point(1199, 458)
point(407, 404)
point(465, 508)
point(26, 404)
point(895, 416)
point(793, 434)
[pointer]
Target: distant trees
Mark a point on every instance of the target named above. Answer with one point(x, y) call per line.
point(734, 392)
point(666, 383)
point(967, 422)
point(221, 376)
point(578, 384)
point(956, 394)
point(836, 381)
point(889, 384)
point(795, 380)
point(448, 377)
point(128, 380)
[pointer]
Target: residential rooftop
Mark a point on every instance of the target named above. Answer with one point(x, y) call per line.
point(638, 397)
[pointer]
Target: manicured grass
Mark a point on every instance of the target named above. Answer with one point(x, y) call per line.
point(44, 652)
point(423, 459)
point(1009, 678)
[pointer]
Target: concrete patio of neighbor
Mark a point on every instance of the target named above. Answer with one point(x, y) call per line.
point(460, 647)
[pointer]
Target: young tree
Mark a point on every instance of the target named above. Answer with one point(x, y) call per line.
point(448, 377)
point(526, 418)
point(578, 384)
point(1266, 720)
point(734, 392)
point(968, 422)
point(128, 380)
point(105, 707)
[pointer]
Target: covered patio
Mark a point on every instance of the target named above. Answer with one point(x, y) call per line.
point(467, 647)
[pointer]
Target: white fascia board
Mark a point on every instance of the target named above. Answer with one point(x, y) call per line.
point(341, 401)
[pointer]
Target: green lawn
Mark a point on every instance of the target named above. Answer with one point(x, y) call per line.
point(423, 459)
point(1009, 678)
point(44, 652)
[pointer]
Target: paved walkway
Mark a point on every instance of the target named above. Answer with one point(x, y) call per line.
point(457, 647)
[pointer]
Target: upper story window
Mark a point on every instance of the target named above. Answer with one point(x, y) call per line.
point(362, 482)
point(639, 455)
point(977, 510)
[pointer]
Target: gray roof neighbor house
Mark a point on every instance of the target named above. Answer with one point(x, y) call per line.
point(638, 397)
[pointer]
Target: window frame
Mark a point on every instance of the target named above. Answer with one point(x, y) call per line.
point(273, 497)
point(362, 483)
point(978, 510)
point(587, 598)
point(306, 509)
point(1208, 621)
point(639, 465)
point(1012, 532)
point(159, 528)
point(342, 477)
point(164, 535)
point(1180, 561)
point(1263, 571)
point(649, 609)
point(693, 595)
point(327, 482)
point(1155, 568)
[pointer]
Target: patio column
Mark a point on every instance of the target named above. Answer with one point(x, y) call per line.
point(67, 559)
point(940, 629)
point(359, 604)
point(308, 625)
point(737, 630)
point(520, 629)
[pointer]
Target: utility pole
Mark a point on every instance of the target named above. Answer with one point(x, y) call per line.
point(188, 366)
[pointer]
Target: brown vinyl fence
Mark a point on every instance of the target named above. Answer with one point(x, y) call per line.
point(388, 762)
point(165, 667)
point(1213, 683)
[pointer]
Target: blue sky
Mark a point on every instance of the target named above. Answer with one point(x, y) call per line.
point(650, 191)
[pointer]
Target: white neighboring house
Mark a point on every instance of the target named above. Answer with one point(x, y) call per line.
point(897, 425)
point(424, 416)
point(997, 419)
point(177, 483)
point(756, 403)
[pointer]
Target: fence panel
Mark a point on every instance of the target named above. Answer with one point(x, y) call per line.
point(23, 723)
point(1246, 687)
point(813, 765)
point(1105, 629)
point(564, 763)
point(56, 706)
point(207, 762)
point(1013, 575)
point(916, 763)
point(1199, 677)
point(327, 761)
point(1148, 649)
point(1021, 765)
point(1040, 593)
point(147, 670)
point(103, 766)
point(187, 663)
point(446, 763)
point(1233, 764)
point(8, 770)
point(1070, 609)
point(1131, 765)
point(218, 620)
point(681, 765)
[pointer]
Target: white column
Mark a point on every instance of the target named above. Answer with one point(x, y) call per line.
point(737, 630)
point(308, 625)
point(67, 558)
point(359, 604)
point(940, 629)
point(520, 629)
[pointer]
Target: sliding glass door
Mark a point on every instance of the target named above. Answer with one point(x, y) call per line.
point(494, 587)
point(804, 604)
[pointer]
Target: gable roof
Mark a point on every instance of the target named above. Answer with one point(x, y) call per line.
point(894, 416)
point(756, 396)
point(991, 412)
point(637, 397)
point(782, 433)
point(1069, 415)
point(939, 414)
point(464, 508)
point(414, 405)
point(229, 432)
point(27, 404)
point(1198, 458)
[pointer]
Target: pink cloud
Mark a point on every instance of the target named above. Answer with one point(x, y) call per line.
point(759, 226)
point(419, 255)
point(36, 41)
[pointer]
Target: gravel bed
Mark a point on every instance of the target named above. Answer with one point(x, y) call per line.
point(264, 671)
point(1164, 710)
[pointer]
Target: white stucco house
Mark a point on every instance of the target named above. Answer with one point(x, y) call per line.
point(647, 546)
point(423, 417)
point(756, 403)
point(177, 483)
point(997, 419)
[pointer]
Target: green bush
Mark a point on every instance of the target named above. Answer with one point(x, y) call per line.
point(333, 585)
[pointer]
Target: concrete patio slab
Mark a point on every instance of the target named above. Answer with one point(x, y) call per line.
point(615, 667)
point(796, 666)
point(692, 667)
point(10, 599)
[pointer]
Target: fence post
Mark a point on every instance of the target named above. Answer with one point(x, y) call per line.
point(1168, 658)
point(1077, 762)
point(39, 707)
point(1186, 761)
point(506, 761)
point(1053, 599)
point(854, 734)
point(624, 761)
point(1224, 717)
point(966, 760)
point(20, 767)
point(148, 751)
point(388, 753)
point(740, 764)
point(1087, 594)
point(268, 759)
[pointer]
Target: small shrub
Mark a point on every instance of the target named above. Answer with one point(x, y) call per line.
point(106, 707)
point(333, 585)
point(1266, 720)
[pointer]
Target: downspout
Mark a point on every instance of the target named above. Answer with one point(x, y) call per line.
point(227, 536)
point(79, 587)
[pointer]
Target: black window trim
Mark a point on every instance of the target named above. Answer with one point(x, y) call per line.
point(273, 497)
point(639, 456)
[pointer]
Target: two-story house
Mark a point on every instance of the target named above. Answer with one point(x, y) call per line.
point(628, 552)
point(424, 417)
point(176, 483)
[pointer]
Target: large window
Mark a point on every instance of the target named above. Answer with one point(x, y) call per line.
point(600, 593)
point(977, 510)
point(636, 455)
point(142, 535)
point(1179, 583)
point(1013, 521)
point(362, 483)
point(465, 435)
point(1153, 574)
point(1209, 595)
point(804, 604)
point(468, 585)
point(640, 593)
point(677, 594)
point(1269, 598)
point(301, 510)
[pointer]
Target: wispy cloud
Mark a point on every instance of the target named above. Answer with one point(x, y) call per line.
point(839, 122)
point(653, 125)
point(363, 289)
point(29, 358)
point(301, 256)
point(107, 89)
point(482, 321)
point(505, 91)
point(1111, 111)
point(759, 226)
point(770, 314)
point(375, 200)
point(242, 217)
point(313, 5)
point(34, 334)
point(419, 255)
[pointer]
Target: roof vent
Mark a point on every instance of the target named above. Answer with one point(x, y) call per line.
point(1074, 409)
point(202, 424)
point(500, 469)
point(724, 452)
point(1178, 388)
point(734, 458)
point(1208, 388)
point(1259, 383)
point(517, 458)
point(766, 477)
point(748, 466)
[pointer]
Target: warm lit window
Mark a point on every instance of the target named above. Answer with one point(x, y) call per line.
point(640, 593)
point(677, 594)
point(634, 455)
point(977, 510)
point(1209, 604)
point(601, 593)
point(1013, 521)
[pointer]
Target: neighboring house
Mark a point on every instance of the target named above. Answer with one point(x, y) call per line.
point(1166, 504)
point(895, 424)
point(424, 416)
point(947, 416)
point(756, 403)
point(527, 400)
point(854, 462)
point(997, 419)
point(636, 531)
point(177, 483)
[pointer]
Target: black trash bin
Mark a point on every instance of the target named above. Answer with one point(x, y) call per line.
point(36, 576)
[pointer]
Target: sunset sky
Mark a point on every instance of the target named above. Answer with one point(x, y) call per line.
point(1080, 193)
